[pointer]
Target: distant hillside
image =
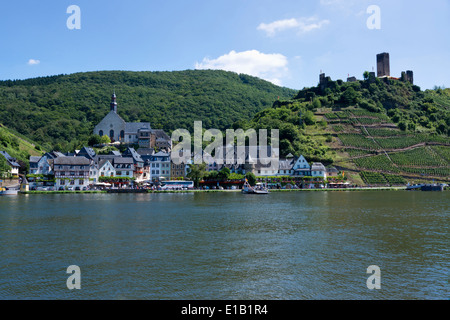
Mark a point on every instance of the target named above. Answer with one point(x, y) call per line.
point(17, 146)
point(377, 131)
point(61, 111)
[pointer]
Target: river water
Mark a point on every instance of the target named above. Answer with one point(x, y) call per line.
point(227, 245)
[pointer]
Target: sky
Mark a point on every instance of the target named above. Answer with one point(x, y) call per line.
point(287, 42)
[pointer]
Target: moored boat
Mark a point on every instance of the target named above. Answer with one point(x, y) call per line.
point(8, 192)
point(260, 188)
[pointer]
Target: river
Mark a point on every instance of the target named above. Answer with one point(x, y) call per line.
point(226, 245)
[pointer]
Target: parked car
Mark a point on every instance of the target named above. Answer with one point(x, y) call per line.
point(77, 189)
point(61, 189)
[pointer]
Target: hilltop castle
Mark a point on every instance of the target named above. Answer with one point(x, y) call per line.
point(383, 72)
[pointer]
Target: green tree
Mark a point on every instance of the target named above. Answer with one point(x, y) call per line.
point(4, 167)
point(94, 140)
point(366, 75)
point(251, 178)
point(105, 139)
point(212, 175)
point(350, 96)
point(196, 172)
point(224, 174)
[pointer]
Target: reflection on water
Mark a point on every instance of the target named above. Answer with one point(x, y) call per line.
point(294, 245)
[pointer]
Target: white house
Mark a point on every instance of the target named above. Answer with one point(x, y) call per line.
point(106, 169)
point(301, 167)
point(12, 162)
point(71, 172)
point(160, 166)
point(318, 170)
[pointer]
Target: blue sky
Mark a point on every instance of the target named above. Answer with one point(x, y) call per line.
point(285, 41)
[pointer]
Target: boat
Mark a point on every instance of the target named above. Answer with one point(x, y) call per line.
point(8, 192)
point(260, 188)
point(432, 187)
point(426, 187)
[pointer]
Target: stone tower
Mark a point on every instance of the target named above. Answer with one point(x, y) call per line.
point(383, 68)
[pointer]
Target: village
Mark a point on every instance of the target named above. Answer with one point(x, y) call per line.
point(151, 166)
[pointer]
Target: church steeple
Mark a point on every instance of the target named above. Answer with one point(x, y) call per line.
point(113, 104)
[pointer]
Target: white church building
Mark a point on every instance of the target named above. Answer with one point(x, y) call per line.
point(118, 130)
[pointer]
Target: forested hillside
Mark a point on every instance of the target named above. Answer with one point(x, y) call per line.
point(384, 130)
point(60, 112)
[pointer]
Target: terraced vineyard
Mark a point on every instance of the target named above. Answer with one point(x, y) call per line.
point(398, 142)
point(380, 132)
point(409, 154)
point(376, 163)
point(419, 157)
point(358, 141)
point(357, 152)
point(377, 178)
point(444, 152)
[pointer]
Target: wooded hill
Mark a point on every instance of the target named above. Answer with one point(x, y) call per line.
point(380, 129)
point(60, 112)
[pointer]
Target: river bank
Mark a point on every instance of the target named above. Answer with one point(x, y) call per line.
point(215, 190)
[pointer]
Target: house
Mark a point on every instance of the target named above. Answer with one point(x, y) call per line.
point(40, 165)
point(177, 170)
point(139, 133)
point(87, 152)
point(71, 172)
point(145, 153)
point(124, 167)
point(332, 172)
point(160, 165)
point(318, 170)
point(44, 164)
point(301, 167)
point(12, 163)
point(140, 172)
point(106, 169)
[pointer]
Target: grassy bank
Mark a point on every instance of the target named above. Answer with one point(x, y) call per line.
point(62, 191)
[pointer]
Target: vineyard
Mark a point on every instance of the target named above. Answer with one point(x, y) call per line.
point(372, 178)
point(357, 141)
point(379, 132)
point(376, 163)
point(384, 153)
point(419, 157)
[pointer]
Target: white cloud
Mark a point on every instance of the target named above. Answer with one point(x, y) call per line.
point(33, 62)
point(276, 26)
point(302, 25)
point(271, 67)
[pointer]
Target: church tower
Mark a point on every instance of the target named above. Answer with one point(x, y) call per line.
point(113, 105)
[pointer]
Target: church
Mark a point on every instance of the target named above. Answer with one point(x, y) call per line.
point(139, 133)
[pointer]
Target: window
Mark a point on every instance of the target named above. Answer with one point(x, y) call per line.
point(100, 133)
point(119, 173)
point(81, 182)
